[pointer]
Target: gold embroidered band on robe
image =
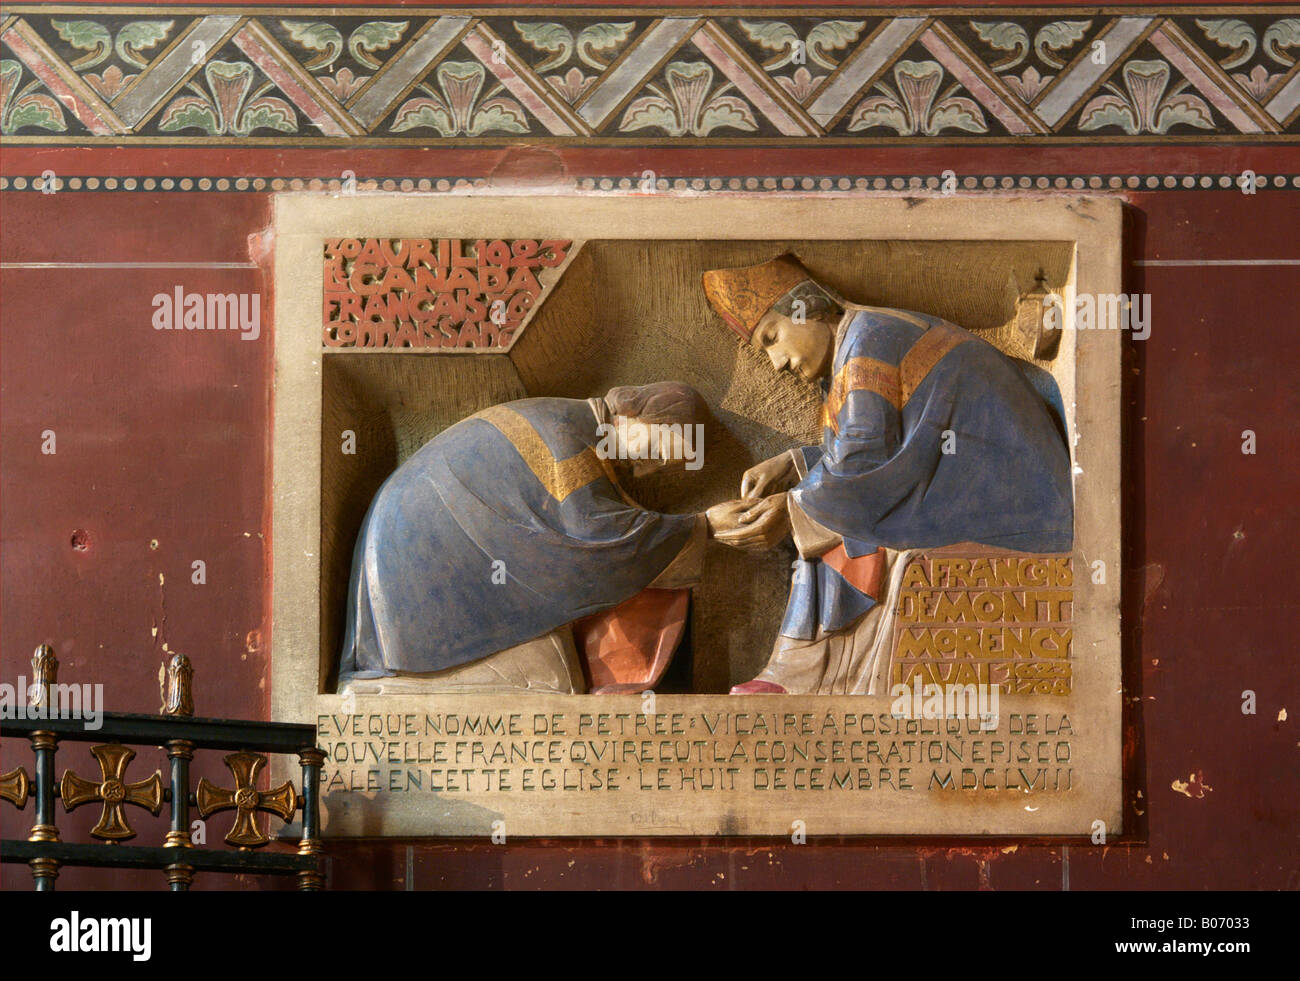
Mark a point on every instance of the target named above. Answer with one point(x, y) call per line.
point(894, 383)
point(865, 374)
point(560, 477)
point(927, 352)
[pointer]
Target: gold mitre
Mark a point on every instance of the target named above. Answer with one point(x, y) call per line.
point(741, 296)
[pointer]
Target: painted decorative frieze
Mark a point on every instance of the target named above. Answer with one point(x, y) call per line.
point(242, 75)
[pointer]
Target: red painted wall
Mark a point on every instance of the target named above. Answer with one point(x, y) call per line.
point(163, 458)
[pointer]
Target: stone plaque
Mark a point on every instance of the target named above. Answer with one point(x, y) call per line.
point(666, 515)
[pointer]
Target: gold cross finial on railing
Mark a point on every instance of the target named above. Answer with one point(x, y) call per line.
point(246, 799)
point(14, 787)
point(114, 791)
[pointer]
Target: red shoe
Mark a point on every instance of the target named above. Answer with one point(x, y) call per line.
point(757, 687)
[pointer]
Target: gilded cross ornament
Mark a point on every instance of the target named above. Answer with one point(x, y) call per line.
point(113, 791)
point(14, 787)
point(246, 799)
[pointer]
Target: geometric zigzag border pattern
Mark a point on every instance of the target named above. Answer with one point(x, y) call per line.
point(424, 76)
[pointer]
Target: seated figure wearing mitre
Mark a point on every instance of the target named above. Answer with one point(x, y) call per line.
point(930, 437)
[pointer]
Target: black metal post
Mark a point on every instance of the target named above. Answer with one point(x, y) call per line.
point(312, 760)
point(180, 752)
point(44, 870)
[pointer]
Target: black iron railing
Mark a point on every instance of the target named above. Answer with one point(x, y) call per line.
point(181, 735)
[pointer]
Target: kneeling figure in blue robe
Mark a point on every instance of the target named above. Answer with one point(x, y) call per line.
point(485, 546)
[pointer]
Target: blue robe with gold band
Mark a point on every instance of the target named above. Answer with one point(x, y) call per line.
point(931, 436)
point(500, 529)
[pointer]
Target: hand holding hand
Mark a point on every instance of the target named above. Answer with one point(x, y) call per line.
point(725, 518)
point(752, 525)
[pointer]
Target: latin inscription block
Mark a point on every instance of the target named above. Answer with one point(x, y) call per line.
point(993, 689)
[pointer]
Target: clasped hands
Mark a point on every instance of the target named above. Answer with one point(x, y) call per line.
point(758, 520)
